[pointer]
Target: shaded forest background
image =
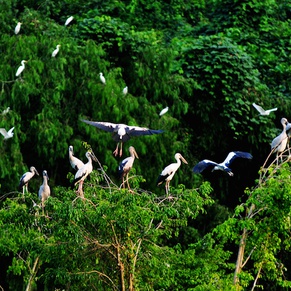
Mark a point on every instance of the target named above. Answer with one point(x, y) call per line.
point(208, 61)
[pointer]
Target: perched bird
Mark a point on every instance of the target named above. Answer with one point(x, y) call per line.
point(55, 52)
point(122, 132)
point(17, 27)
point(168, 173)
point(224, 166)
point(44, 190)
point(26, 177)
point(126, 165)
point(6, 134)
point(125, 90)
point(262, 110)
point(165, 110)
point(102, 78)
point(20, 68)
point(69, 20)
point(75, 162)
point(83, 172)
point(5, 111)
point(279, 143)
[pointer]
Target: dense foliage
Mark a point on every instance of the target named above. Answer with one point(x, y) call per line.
point(208, 61)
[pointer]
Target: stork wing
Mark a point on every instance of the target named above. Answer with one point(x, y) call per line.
point(136, 131)
point(202, 165)
point(107, 126)
point(10, 130)
point(270, 110)
point(3, 132)
point(259, 108)
point(237, 154)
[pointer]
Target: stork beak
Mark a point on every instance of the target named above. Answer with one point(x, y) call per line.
point(135, 153)
point(184, 161)
point(36, 172)
point(93, 157)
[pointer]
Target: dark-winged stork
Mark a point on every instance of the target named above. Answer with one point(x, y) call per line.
point(7, 134)
point(21, 68)
point(126, 165)
point(75, 162)
point(44, 190)
point(168, 173)
point(279, 143)
point(224, 166)
point(26, 177)
point(262, 111)
point(83, 172)
point(122, 132)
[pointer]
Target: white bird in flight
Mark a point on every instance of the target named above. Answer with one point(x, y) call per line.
point(165, 110)
point(20, 68)
point(69, 20)
point(6, 134)
point(224, 166)
point(17, 28)
point(262, 110)
point(102, 78)
point(55, 52)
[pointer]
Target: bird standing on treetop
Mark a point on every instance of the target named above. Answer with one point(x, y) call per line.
point(262, 110)
point(6, 134)
point(165, 110)
point(126, 165)
point(122, 132)
point(168, 173)
point(44, 190)
point(25, 178)
point(102, 78)
point(55, 52)
point(69, 20)
point(83, 172)
point(224, 166)
point(279, 143)
point(125, 90)
point(75, 162)
point(17, 27)
point(20, 68)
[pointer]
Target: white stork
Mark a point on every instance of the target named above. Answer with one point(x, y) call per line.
point(75, 162)
point(20, 68)
point(44, 190)
point(6, 134)
point(83, 172)
point(126, 165)
point(26, 177)
point(122, 132)
point(262, 111)
point(224, 166)
point(279, 143)
point(168, 173)
point(55, 52)
point(17, 27)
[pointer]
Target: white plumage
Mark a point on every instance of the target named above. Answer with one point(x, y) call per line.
point(75, 162)
point(122, 132)
point(165, 110)
point(168, 173)
point(224, 166)
point(44, 190)
point(262, 111)
point(55, 52)
point(102, 78)
point(17, 27)
point(6, 134)
point(69, 20)
point(83, 172)
point(20, 68)
point(126, 165)
point(25, 178)
point(5, 111)
point(125, 90)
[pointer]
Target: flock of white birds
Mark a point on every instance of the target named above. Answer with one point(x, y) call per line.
point(122, 133)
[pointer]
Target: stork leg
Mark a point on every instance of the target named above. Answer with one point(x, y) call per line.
point(167, 187)
point(116, 150)
point(127, 182)
point(123, 182)
point(120, 151)
point(80, 189)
